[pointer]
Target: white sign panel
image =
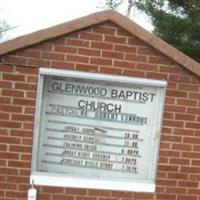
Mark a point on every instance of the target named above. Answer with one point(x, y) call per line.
point(98, 130)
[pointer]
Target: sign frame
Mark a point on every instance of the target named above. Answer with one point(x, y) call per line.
point(60, 179)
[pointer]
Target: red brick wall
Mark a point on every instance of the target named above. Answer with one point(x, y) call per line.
point(108, 49)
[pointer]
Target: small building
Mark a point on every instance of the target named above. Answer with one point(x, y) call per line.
point(102, 49)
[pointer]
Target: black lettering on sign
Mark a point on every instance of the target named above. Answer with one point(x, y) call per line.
point(99, 106)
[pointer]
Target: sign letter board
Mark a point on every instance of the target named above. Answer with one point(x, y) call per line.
point(97, 131)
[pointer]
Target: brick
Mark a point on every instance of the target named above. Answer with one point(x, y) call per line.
point(101, 61)
point(124, 64)
point(168, 115)
point(4, 131)
point(65, 49)
point(43, 46)
point(176, 109)
point(167, 168)
point(191, 154)
point(17, 117)
point(179, 78)
point(134, 73)
point(187, 197)
point(194, 95)
point(85, 198)
point(26, 157)
point(29, 53)
point(8, 155)
point(121, 194)
point(166, 182)
point(146, 67)
point(76, 191)
point(43, 196)
point(21, 164)
point(62, 65)
point(110, 70)
point(192, 125)
point(48, 189)
point(18, 179)
point(125, 48)
point(175, 190)
point(76, 58)
point(143, 196)
point(170, 69)
point(185, 147)
point(186, 102)
point(26, 70)
point(5, 100)
point(147, 51)
point(185, 117)
point(136, 58)
point(164, 145)
point(104, 30)
point(24, 102)
point(30, 94)
point(77, 42)
point(191, 140)
point(194, 191)
point(172, 123)
point(195, 177)
point(14, 194)
point(13, 77)
point(18, 148)
point(53, 56)
point(102, 45)
point(29, 126)
point(27, 141)
point(193, 110)
point(179, 161)
point(13, 93)
point(178, 176)
point(114, 39)
point(188, 87)
point(196, 162)
point(29, 110)
point(8, 186)
point(169, 100)
point(32, 79)
point(99, 193)
point(159, 60)
point(187, 184)
point(183, 132)
point(10, 124)
point(123, 32)
point(16, 60)
point(38, 62)
point(176, 93)
point(91, 36)
point(5, 84)
point(89, 52)
point(59, 40)
point(25, 86)
point(20, 133)
point(9, 140)
point(6, 68)
point(169, 153)
point(136, 42)
point(171, 138)
point(86, 67)
point(112, 55)
point(155, 75)
point(24, 172)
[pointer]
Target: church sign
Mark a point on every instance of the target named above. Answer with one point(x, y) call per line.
point(97, 131)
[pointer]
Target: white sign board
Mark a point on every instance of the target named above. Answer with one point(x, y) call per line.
point(97, 130)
